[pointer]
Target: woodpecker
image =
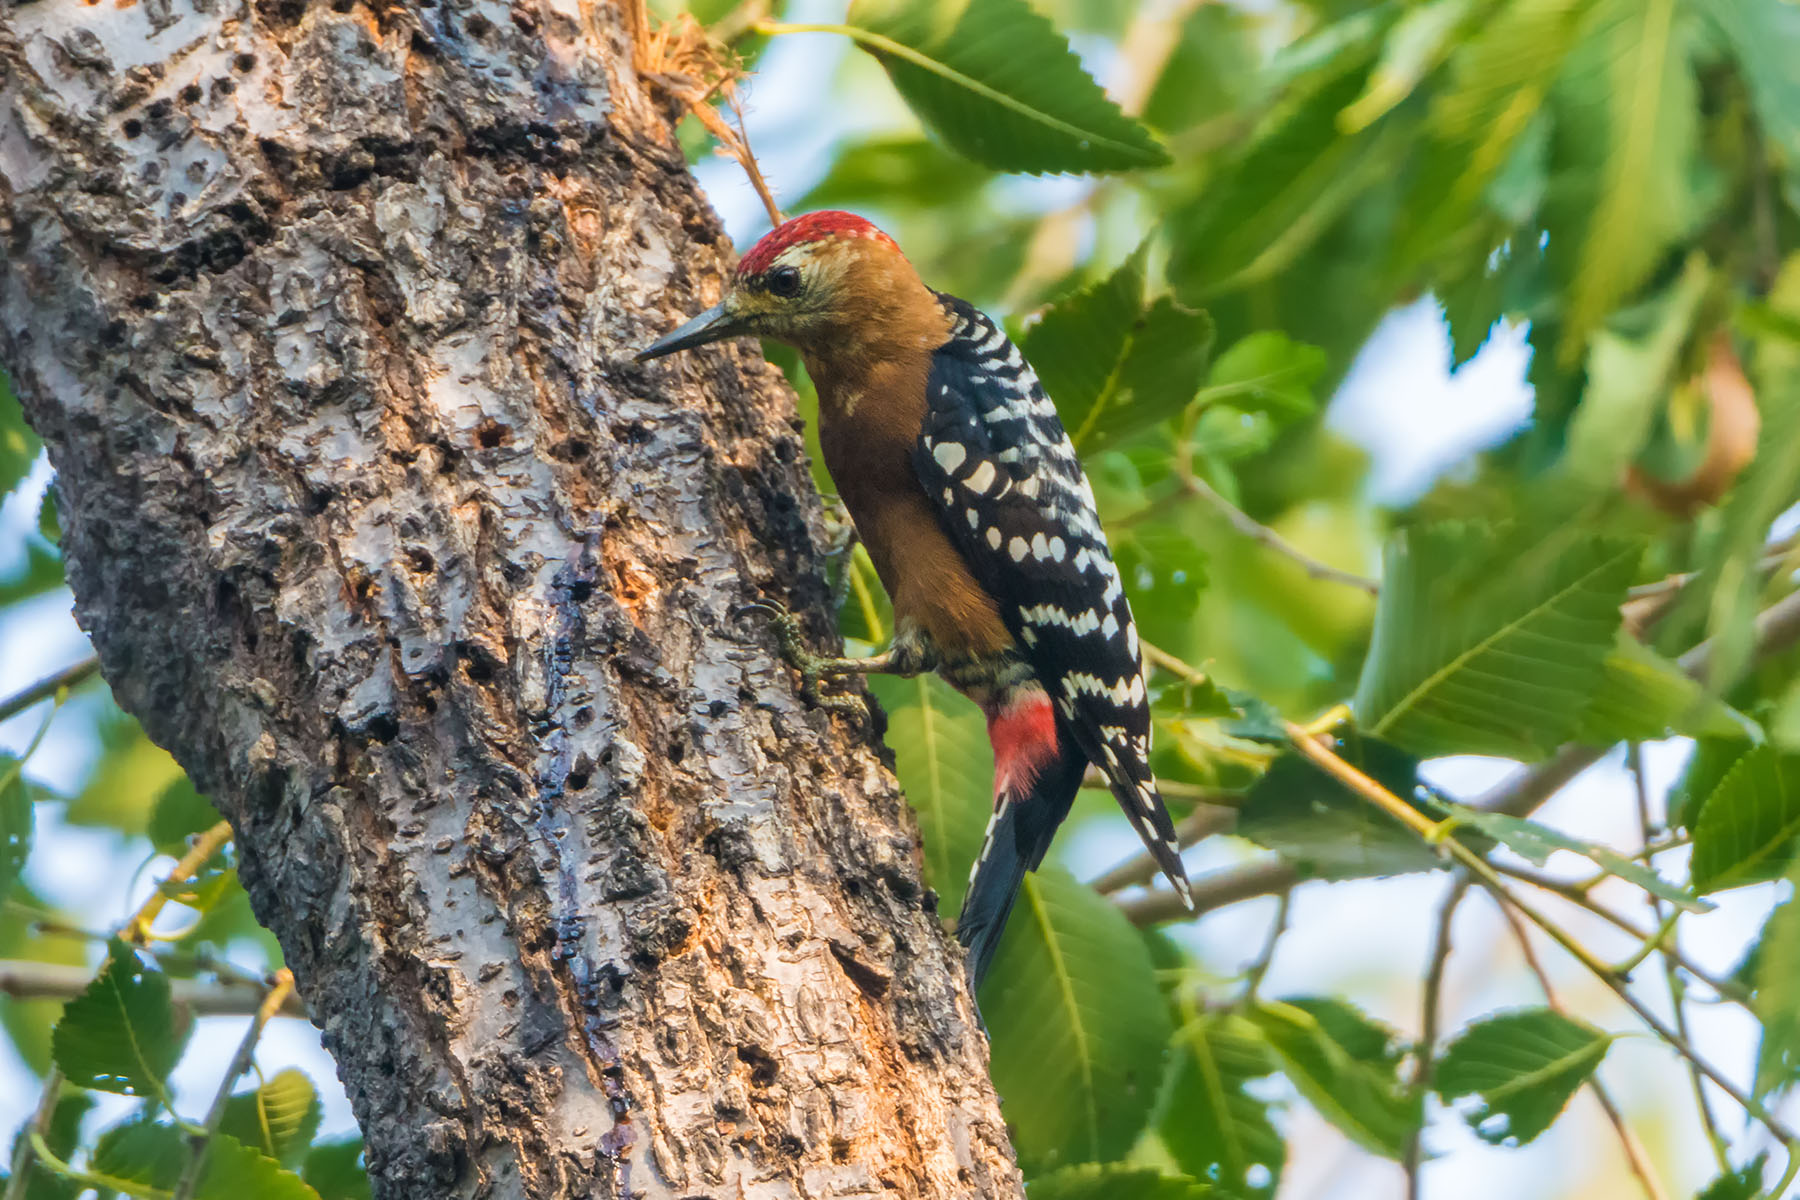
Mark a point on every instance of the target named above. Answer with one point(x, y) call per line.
point(981, 524)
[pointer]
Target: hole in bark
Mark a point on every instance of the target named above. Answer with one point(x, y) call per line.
point(491, 433)
point(580, 590)
point(244, 62)
point(840, 1150)
point(191, 93)
point(571, 450)
point(632, 433)
point(763, 1068)
point(479, 26)
point(422, 45)
point(677, 749)
point(159, 111)
point(421, 559)
point(718, 708)
point(342, 6)
point(133, 127)
point(478, 661)
point(584, 717)
point(317, 499)
point(223, 86)
point(578, 780)
point(384, 727)
point(428, 702)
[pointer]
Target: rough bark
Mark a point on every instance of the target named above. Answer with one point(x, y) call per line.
point(324, 313)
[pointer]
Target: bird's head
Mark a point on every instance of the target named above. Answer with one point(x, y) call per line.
point(812, 282)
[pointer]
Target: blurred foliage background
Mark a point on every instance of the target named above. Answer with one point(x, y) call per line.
point(1252, 248)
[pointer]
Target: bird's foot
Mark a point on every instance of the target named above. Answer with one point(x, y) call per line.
point(815, 668)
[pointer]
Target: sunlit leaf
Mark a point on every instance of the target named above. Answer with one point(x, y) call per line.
point(1521, 1068)
point(1415, 45)
point(1001, 85)
point(1266, 372)
point(1079, 1029)
point(1325, 830)
point(1478, 650)
point(1642, 696)
point(277, 1119)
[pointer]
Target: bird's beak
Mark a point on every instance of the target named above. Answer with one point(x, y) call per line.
point(714, 325)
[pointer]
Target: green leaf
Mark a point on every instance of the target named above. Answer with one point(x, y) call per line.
point(946, 769)
point(278, 1119)
point(1642, 697)
point(119, 1034)
point(1745, 1183)
point(1416, 44)
point(1628, 383)
point(19, 446)
point(1479, 649)
point(15, 822)
point(1113, 1181)
point(1764, 35)
point(1079, 1028)
point(1211, 1125)
point(1325, 830)
point(334, 1169)
point(1346, 1066)
point(234, 1171)
point(1001, 85)
point(1628, 104)
point(1521, 1067)
point(1776, 998)
point(62, 1137)
point(1211, 72)
point(180, 813)
point(1746, 829)
point(141, 1152)
point(29, 1022)
point(1266, 372)
point(1711, 761)
point(1499, 80)
point(1536, 843)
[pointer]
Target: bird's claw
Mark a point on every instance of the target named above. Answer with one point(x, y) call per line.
point(812, 667)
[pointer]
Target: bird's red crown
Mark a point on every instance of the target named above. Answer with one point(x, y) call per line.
point(812, 227)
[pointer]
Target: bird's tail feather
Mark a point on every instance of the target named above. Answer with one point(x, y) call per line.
point(1027, 813)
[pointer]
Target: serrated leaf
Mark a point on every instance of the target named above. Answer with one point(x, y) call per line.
point(1643, 697)
point(141, 1152)
point(1710, 762)
point(1326, 831)
point(1521, 1067)
point(1746, 829)
point(1001, 85)
point(179, 813)
point(1347, 1068)
point(1627, 105)
point(119, 1035)
point(1476, 651)
point(946, 769)
point(1078, 1025)
point(1075, 347)
point(1776, 998)
point(234, 1171)
point(1211, 1126)
point(1536, 843)
point(15, 822)
point(277, 1119)
point(334, 1169)
point(1745, 1183)
point(1266, 372)
point(1113, 1181)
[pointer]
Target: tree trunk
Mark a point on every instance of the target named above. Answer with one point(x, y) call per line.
point(325, 315)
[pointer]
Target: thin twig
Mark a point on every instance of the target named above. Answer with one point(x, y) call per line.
point(29, 979)
point(1256, 531)
point(1259, 966)
point(45, 688)
point(1485, 873)
point(1635, 1156)
point(40, 1125)
point(1634, 759)
point(1196, 827)
point(1264, 877)
point(280, 989)
point(1436, 957)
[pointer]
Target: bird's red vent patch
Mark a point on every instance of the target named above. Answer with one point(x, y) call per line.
point(812, 227)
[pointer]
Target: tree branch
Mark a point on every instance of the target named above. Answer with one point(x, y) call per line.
point(44, 689)
point(279, 992)
point(28, 979)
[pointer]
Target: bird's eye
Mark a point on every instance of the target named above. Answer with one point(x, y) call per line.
point(785, 281)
